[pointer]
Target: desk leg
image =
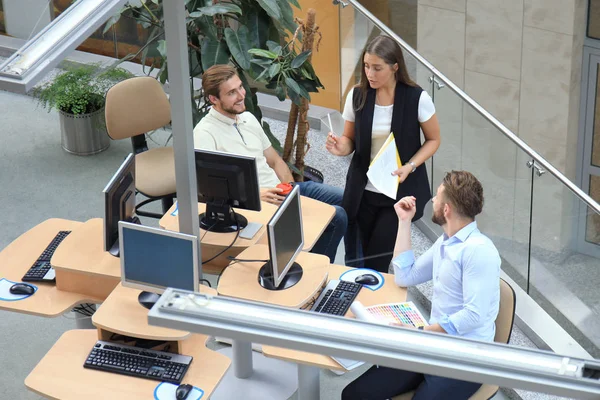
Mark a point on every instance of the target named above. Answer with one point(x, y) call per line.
point(83, 321)
point(309, 386)
point(242, 359)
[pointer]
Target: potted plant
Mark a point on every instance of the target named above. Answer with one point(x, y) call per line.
point(78, 94)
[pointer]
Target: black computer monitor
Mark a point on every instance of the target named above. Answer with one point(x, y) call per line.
point(154, 259)
point(226, 181)
point(119, 203)
point(286, 240)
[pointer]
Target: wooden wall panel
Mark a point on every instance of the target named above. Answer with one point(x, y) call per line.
point(327, 60)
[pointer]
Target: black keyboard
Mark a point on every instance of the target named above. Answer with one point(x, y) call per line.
point(41, 271)
point(337, 297)
point(135, 361)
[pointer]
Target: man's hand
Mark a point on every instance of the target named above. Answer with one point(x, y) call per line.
point(272, 195)
point(406, 208)
point(403, 172)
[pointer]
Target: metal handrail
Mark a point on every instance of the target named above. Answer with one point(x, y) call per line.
point(507, 132)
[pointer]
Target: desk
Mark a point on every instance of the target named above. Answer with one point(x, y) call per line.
point(60, 374)
point(18, 257)
point(316, 216)
point(82, 265)
point(239, 280)
point(388, 293)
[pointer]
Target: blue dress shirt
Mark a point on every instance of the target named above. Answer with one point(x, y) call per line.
point(465, 269)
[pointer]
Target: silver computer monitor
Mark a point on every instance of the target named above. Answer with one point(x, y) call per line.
point(154, 259)
point(286, 240)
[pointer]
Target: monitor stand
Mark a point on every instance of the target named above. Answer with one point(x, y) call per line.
point(148, 299)
point(114, 249)
point(265, 277)
point(220, 218)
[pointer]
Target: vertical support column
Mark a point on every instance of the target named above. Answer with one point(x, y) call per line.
point(309, 385)
point(242, 359)
point(181, 118)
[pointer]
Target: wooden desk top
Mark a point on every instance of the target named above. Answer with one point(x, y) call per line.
point(122, 313)
point(388, 293)
point(83, 252)
point(60, 374)
point(18, 257)
point(315, 216)
point(240, 280)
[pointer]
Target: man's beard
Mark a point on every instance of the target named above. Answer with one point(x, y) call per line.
point(438, 218)
point(233, 111)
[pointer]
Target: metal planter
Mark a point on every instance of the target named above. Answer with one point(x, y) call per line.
point(84, 134)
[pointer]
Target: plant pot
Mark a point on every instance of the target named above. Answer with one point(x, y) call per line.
point(84, 134)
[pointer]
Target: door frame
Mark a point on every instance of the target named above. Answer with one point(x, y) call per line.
point(589, 88)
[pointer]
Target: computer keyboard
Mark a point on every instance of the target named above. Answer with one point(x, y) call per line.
point(337, 297)
point(41, 271)
point(135, 361)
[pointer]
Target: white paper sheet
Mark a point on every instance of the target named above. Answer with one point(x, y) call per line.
point(382, 166)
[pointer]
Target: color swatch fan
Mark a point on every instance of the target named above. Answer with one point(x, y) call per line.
point(405, 313)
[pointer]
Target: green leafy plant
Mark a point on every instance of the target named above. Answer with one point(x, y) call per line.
point(286, 71)
point(79, 89)
point(225, 32)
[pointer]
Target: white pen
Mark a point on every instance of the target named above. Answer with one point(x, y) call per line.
point(330, 124)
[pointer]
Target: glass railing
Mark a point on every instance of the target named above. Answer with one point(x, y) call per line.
point(546, 229)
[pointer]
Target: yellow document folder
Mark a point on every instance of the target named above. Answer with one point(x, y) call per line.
point(385, 162)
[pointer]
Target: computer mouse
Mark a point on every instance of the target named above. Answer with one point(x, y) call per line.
point(21, 288)
point(367, 279)
point(182, 391)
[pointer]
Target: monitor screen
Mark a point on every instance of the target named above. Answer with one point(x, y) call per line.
point(231, 178)
point(153, 259)
point(285, 235)
point(226, 180)
point(119, 203)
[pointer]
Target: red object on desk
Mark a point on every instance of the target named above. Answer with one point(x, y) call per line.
point(285, 187)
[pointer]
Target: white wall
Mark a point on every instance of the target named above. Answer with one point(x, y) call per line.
point(21, 17)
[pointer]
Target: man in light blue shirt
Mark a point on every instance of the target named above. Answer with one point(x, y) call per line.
point(465, 268)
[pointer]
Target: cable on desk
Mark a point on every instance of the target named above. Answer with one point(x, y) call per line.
point(208, 230)
point(207, 282)
point(85, 309)
point(237, 234)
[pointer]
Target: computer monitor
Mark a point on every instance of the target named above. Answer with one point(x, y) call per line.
point(119, 203)
point(286, 240)
point(225, 181)
point(154, 259)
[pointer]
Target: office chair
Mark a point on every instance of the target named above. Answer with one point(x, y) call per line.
point(504, 325)
point(133, 107)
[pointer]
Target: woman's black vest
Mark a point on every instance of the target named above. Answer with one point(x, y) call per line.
point(407, 134)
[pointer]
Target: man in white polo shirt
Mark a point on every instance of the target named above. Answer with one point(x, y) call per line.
point(228, 127)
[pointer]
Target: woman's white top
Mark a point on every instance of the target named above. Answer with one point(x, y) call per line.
point(382, 122)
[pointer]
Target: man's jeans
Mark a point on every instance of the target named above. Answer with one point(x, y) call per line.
point(330, 239)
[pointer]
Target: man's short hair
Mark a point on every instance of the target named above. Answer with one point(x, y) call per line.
point(464, 192)
point(214, 77)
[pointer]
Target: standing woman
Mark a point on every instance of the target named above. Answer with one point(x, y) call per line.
point(386, 100)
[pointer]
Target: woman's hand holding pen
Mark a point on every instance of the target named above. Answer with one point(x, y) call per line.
point(333, 145)
point(403, 172)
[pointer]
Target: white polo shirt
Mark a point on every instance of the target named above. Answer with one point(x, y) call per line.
point(243, 136)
